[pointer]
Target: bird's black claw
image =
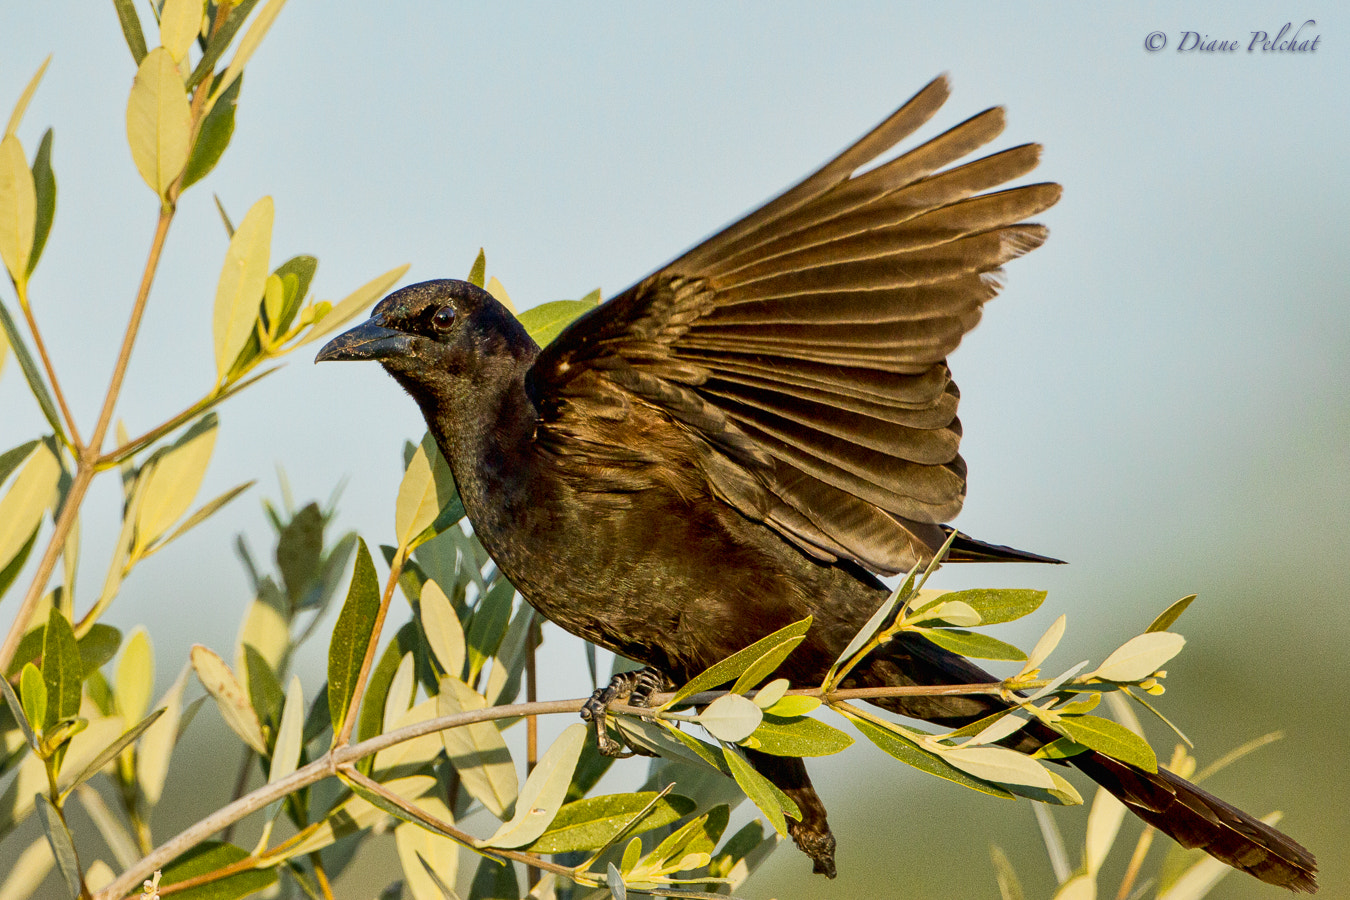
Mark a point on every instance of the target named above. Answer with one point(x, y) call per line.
point(639, 687)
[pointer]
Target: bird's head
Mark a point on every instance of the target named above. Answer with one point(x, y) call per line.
point(438, 339)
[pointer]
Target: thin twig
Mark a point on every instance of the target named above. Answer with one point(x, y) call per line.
point(76, 445)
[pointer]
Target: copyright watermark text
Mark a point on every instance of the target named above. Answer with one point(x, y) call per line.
point(1286, 39)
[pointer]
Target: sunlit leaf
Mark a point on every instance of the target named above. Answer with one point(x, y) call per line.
point(735, 665)
point(1102, 826)
point(1110, 738)
point(415, 752)
point(286, 749)
point(247, 45)
point(230, 697)
point(443, 630)
point(172, 480)
point(547, 320)
point(110, 752)
point(135, 676)
point(995, 606)
point(159, 121)
point(1141, 656)
point(29, 90)
point(351, 635)
point(793, 706)
point(353, 303)
point(62, 845)
point(688, 847)
point(427, 487)
point(350, 816)
point(477, 751)
point(208, 857)
point(155, 746)
point(240, 288)
point(31, 710)
point(180, 21)
point(220, 41)
point(478, 271)
point(62, 669)
point(764, 666)
point(18, 208)
point(972, 643)
point(593, 822)
point(797, 737)
point(27, 500)
point(1046, 645)
point(427, 857)
point(731, 718)
point(498, 292)
point(31, 373)
point(873, 625)
point(488, 625)
point(543, 792)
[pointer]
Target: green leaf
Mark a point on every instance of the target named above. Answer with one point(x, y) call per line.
point(62, 669)
point(771, 693)
point(33, 690)
point(1060, 748)
point(172, 479)
point(296, 274)
point(131, 28)
point(1170, 615)
point(37, 386)
point(731, 718)
point(547, 320)
point(351, 635)
point(264, 690)
point(180, 21)
point(688, 847)
point(135, 676)
point(488, 625)
point(300, 550)
point(593, 822)
point(426, 489)
point(98, 646)
point(479, 269)
point(911, 754)
point(543, 792)
point(972, 643)
point(208, 857)
point(240, 288)
point(1140, 657)
point(159, 121)
point(29, 497)
point(1110, 738)
point(371, 721)
point(44, 186)
point(352, 304)
point(286, 749)
point(667, 741)
point(739, 662)
point(63, 847)
point(10, 572)
point(995, 606)
point(873, 625)
point(793, 706)
point(442, 628)
point(230, 698)
point(762, 792)
point(765, 665)
point(494, 880)
point(213, 136)
point(477, 751)
point(797, 737)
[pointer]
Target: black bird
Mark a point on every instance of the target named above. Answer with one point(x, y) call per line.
point(753, 432)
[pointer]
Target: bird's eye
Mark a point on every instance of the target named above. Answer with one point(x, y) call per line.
point(444, 318)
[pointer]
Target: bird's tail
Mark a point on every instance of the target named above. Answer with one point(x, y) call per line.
point(1196, 818)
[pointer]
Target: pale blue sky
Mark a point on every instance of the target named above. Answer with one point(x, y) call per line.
point(1161, 395)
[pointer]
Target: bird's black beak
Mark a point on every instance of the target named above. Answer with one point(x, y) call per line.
point(369, 340)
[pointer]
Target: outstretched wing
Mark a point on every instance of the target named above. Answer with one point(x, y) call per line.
point(802, 349)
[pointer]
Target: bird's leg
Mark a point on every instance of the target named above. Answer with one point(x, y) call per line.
point(639, 686)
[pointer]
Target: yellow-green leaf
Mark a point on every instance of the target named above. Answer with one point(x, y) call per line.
point(1000, 765)
point(17, 115)
point(444, 632)
point(741, 661)
point(593, 822)
point(477, 751)
point(180, 21)
point(18, 208)
point(972, 643)
point(159, 121)
point(135, 676)
point(1140, 656)
point(420, 849)
point(247, 44)
point(351, 634)
point(547, 320)
point(1111, 738)
point(1171, 614)
point(1103, 823)
point(498, 292)
point(27, 500)
point(797, 737)
point(353, 303)
point(172, 480)
point(156, 746)
point(286, 751)
point(544, 791)
point(230, 697)
point(427, 487)
point(240, 289)
point(1045, 646)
